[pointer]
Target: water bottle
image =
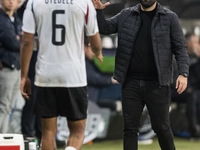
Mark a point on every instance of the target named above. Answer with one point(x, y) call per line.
point(32, 146)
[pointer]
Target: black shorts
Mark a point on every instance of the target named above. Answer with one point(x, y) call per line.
point(69, 102)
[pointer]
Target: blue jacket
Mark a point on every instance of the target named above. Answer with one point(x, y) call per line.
point(9, 44)
point(95, 79)
point(167, 39)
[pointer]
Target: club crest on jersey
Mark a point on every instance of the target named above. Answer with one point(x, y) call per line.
point(59, 1)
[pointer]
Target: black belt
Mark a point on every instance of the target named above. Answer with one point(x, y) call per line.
point(7, 66)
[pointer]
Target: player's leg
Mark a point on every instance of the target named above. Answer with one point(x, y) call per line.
point(49, 128)
point(45, 106)
point(74, 107)
point(76, 136)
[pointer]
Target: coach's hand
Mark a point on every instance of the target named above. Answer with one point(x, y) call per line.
point(181, 84)
point(99, 5)
point(25, 88)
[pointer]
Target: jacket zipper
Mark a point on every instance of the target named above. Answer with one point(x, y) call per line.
point(154, 51)
point(132, 47)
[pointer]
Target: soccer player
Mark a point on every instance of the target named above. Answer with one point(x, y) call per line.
point(60, 77)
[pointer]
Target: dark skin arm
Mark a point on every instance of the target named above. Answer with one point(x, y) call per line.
point(95, 43)
point(25, 57)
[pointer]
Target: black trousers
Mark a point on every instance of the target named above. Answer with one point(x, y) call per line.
point(193, 112)
point(135, 95)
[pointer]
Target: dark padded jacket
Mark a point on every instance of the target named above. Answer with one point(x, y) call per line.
point(9, 44)
point(167, 39)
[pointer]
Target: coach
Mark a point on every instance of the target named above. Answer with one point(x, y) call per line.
point(148, 35)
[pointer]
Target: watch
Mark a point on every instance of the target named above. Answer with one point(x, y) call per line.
point(184, 74)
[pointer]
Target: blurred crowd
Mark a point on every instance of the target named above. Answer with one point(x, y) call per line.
point(11, 13)
point(190, 95)
point(99, 84)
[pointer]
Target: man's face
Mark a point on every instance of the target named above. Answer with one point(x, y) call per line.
point(147, 3)
point(193, 44)
point(9, 5)
point(19, 3)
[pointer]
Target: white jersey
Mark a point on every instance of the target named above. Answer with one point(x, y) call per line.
point(60, 26)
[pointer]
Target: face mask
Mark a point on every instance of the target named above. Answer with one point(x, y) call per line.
point(147, 3)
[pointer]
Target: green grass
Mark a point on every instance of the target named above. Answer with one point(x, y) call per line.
point(181, 144)
point(107, 65)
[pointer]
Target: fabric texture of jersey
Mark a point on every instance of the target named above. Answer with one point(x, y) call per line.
point(60, 26)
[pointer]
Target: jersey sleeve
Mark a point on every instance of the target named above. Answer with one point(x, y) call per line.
point(91, 25)
point(29, 25)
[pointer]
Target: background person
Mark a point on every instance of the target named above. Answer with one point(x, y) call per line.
point(190, 95)
point(193, 47)
point(10, 32)
point(100, 85)
point(193, 102)
point(148, 34)
point(60, 68)
point(192, 41)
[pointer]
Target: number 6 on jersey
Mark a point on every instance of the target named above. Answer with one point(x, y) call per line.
point(56, 27)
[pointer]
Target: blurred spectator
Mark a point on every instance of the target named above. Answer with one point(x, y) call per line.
point(31, 123)
point(10, 32)
point(101, 86)
point(193, 46)
point(21, 8)
point(19, 4)
point(193, 103)
point(192, 41)
point(190, 95)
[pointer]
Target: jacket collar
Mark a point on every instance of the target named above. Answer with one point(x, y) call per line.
point(4, 13)
point(159, 8)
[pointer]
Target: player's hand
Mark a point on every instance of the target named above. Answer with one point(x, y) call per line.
point(25, 88)
point(100, 58)
point(181, 84)
point(99, 5)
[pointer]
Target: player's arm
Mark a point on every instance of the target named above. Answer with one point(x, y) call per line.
point(25, 57)
point(95, 43)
